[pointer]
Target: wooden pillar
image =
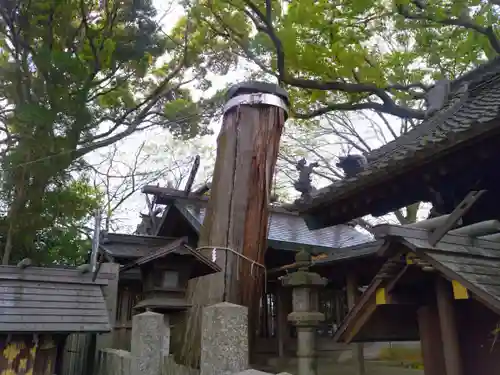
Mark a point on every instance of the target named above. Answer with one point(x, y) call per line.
point(449, 331)
point(237, 212)
point(284, 309)
point(430, 340)
point(357, 350)
point(111, 271)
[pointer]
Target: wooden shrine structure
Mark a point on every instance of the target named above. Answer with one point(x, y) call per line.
point(440, 280)
point(41, 307)
point(178, 217)
point(445, 293)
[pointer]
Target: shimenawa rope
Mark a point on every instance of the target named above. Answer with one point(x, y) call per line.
point(253, 262)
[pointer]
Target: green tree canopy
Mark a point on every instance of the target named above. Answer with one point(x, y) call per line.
point(59, 223)
point(78, 75)
point(353, 54)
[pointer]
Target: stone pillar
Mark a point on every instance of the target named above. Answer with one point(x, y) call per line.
point(224, 339)
point(305, 315)
point(148, 334)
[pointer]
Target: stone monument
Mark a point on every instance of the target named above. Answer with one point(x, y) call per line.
point(224, 339)
point(305, 316)
point(148, 334)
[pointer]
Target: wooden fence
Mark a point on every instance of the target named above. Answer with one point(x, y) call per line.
point(77, 350)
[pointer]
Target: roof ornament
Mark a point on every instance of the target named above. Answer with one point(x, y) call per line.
point(84, 268)
point(146, 225)
point(304, 183)
point(25, 263)
point(352, 164)
point(437, 97)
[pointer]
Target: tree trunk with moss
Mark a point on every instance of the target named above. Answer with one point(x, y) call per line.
point(236, 219)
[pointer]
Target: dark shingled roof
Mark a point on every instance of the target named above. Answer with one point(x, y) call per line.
point(54, 300)
point(480, 92)
point(179, 247)
point(473, 263)
point(288, 231)
point(131, 245)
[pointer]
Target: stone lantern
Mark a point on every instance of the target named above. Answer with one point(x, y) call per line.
point(305, 316)
point(165, 274)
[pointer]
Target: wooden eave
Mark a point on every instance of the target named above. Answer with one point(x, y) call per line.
point(477, 293)
point(166, 195)
point(388, 231)
point(356, 252)
point(173, 304)
point(352, 200)
point(168, 249)
point(112, 242)
point(139, 239)
point(179, 246)
point(461, 245)
point(401, 240)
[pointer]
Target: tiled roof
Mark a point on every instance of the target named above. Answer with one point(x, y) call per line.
point(289, 231)
point(444, 130)
point(52, 300)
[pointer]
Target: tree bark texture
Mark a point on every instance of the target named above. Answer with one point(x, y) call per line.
point(236, 218)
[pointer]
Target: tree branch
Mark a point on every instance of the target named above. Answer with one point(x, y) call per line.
point(389, 108)
point(264, 24)
point(142, 109)
point(463, 21)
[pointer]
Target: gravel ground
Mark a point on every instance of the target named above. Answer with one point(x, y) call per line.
point(372, 368)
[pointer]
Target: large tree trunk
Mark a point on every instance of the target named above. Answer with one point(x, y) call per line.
point(236, 218)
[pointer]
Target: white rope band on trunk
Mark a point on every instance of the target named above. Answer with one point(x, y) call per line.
point(253, 262)
point(256, 98)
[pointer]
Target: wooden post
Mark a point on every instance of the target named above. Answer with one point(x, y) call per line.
point(284, 309)
point(449, 332)
point(357, 350)
point(237, 212)
point(110, 293)
point(430, 340)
